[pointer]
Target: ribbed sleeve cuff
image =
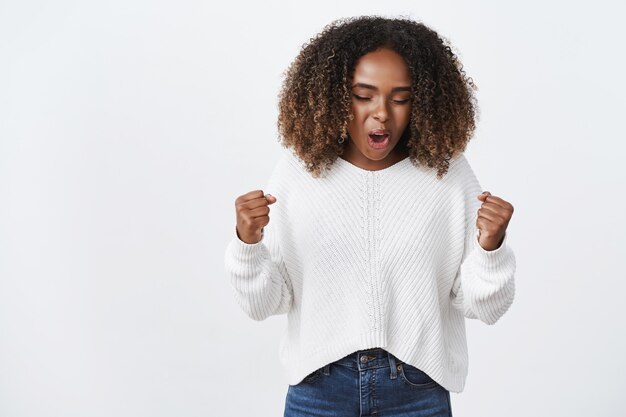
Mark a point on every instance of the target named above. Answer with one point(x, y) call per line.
point(250, 253)
point(491, 260)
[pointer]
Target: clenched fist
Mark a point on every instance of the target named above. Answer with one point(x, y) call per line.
point(493, 219)
point(252, 215)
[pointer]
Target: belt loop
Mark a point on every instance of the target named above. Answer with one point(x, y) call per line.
point(392, 365)
point(326, 369)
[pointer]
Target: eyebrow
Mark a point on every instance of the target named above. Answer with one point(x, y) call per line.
point(371, 87)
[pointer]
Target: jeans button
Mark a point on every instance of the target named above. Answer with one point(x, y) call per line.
point(363, 359)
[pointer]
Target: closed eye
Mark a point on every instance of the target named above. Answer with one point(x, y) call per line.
point(368, 98)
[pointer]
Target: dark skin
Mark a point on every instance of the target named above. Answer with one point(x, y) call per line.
point(493, 219)
point(252, 215)
point(380, 100)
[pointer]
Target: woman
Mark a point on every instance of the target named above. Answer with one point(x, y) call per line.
point(380, 242)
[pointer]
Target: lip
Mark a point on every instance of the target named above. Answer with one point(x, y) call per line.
point(380, 132)
point(379, 145)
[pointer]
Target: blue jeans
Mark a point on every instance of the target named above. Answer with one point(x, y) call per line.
point(370, 382)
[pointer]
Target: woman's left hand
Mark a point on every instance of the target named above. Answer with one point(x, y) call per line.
point(493, 218)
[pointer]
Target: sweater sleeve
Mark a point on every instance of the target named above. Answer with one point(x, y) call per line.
point(484, 286)
point(257, 271)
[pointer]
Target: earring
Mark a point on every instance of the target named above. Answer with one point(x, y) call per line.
point(340, 140)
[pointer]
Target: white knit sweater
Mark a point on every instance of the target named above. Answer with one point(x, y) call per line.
point(360, 259)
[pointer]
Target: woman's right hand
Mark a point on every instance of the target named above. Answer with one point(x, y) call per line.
point(252, 215)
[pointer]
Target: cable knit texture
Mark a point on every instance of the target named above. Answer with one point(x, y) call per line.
point(360, 259)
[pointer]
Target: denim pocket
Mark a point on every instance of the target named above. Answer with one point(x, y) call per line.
point(415, 377)
point(313, 376)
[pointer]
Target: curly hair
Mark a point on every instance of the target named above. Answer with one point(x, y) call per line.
point(315, 98)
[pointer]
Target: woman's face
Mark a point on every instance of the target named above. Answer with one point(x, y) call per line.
point(381, 104)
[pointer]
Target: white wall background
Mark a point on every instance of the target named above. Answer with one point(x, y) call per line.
point(128, 128)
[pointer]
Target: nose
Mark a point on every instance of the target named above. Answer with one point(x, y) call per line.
point(380, 113)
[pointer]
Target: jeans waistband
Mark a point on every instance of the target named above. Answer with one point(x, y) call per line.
point(368, 359)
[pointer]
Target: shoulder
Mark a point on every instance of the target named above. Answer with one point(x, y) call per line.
point(462, 177)
point(283, 161)
point(286, 168)
point(461, 169)
point(460, 164)
point(287, 159)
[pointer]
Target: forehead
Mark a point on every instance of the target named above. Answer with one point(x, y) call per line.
point(383, 66)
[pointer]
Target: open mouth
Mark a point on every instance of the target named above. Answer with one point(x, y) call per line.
point(377, 141)
point(379, 138)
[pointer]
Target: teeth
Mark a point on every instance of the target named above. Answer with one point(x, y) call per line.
point(379, 138)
